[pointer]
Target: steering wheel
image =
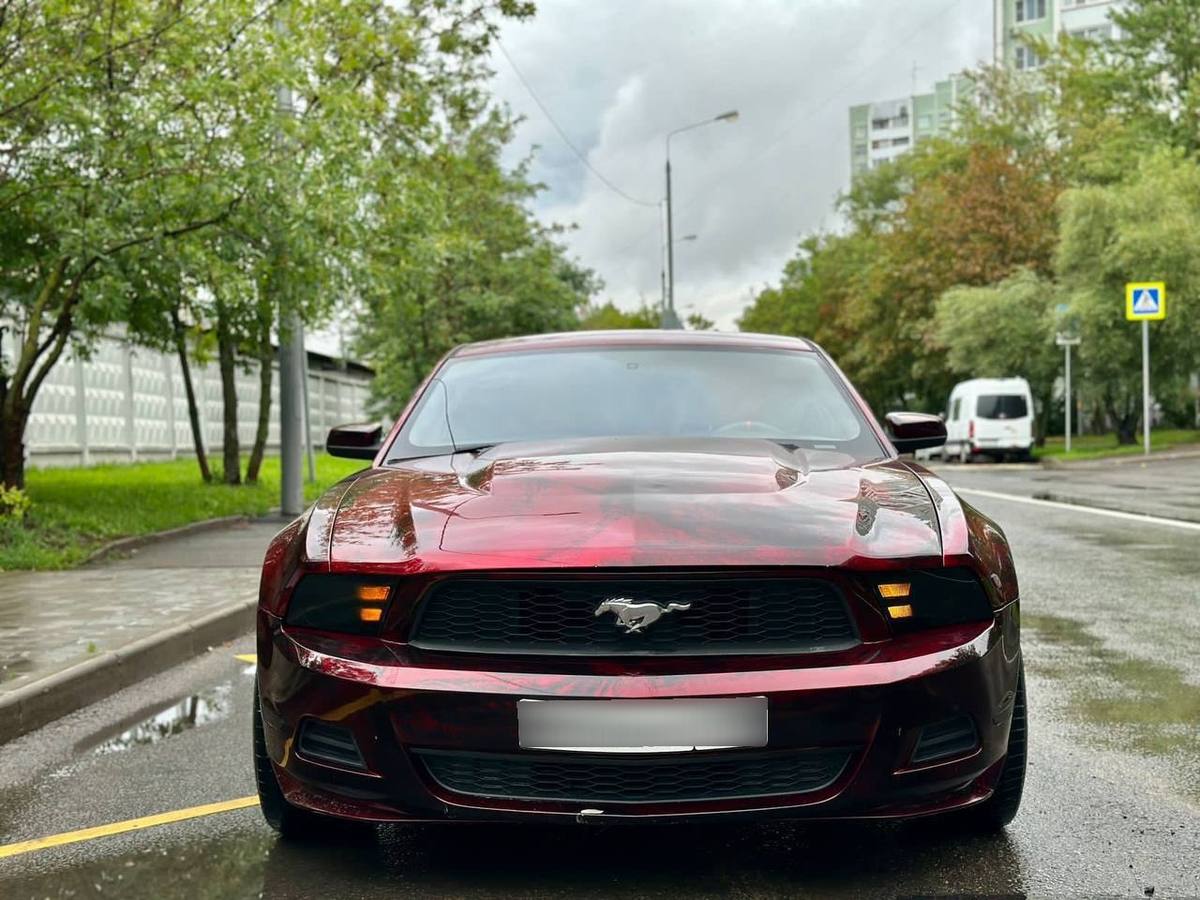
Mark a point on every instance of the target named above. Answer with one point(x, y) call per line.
point(752, 425)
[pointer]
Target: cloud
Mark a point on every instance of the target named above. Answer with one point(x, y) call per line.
point(618, 74)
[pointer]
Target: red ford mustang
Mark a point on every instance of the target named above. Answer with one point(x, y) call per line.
point(651, 576)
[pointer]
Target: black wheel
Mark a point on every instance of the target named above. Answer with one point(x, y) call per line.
point(1001, 808)
point(290, 821)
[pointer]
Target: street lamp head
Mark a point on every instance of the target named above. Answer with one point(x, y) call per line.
point(730, 116)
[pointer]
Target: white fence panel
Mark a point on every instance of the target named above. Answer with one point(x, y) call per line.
point(126, 403)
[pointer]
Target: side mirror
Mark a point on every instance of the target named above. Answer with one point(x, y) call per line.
point(911, 431)
point(361, 441)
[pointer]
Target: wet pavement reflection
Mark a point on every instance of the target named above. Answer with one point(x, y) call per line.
point(203, 708)
point(561, 861)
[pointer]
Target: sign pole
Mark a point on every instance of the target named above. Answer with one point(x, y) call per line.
point(1145, 300)
point(1146, 387)
point(1066, 341)
point(1068, 397)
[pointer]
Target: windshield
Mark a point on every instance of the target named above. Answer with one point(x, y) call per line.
point(1001, 406)
point(791, 397)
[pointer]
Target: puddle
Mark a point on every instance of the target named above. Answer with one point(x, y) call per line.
point(190, 712)
point(1130, 704)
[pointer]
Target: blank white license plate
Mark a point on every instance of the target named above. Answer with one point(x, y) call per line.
point(642, 726)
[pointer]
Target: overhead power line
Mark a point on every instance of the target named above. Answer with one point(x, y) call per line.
point(565, 139)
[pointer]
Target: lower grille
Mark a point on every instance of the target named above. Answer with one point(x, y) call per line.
point(605, 779)
point(949, 737)
point(694, 615)
point(331, 744)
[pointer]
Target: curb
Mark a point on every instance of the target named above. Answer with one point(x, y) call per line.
point(1056, 497)
point(124, 544)
point(68, 690)
point(1051, 462)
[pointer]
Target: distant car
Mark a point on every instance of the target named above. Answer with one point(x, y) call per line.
point(990, 417)
point(633, 577)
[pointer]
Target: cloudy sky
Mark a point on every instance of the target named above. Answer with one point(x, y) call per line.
point(618, 74)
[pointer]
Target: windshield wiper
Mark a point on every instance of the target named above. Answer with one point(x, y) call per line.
point(474, 448)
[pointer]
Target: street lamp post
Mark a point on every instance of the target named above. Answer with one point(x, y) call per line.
point(670, 320)
point(663, 269)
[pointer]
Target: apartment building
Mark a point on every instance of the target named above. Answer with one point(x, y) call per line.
point(1015, 20)
point(884, 130)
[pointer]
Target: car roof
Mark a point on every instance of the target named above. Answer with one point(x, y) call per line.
point(1015, 381)
point(646, 337)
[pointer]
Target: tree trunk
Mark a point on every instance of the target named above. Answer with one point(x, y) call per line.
point(227, 362)
point(1125, 419)
point(266, 356)
point(12, 446)
point(189, 390)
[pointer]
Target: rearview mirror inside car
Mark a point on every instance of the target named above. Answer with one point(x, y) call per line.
point(911, 431)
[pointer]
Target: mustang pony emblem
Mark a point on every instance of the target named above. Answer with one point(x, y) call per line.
point(633, 616)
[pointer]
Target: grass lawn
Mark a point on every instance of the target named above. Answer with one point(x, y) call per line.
point(76, 510)
point(1098, 446)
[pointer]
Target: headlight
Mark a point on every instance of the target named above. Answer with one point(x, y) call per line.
point(351, 604)
point(927, 598)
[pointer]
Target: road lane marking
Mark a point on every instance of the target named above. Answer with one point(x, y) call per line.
point(90, 834)
point(1076, 507)
point(246, 657)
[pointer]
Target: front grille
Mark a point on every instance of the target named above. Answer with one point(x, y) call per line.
point(601, 779)
point(723, 615)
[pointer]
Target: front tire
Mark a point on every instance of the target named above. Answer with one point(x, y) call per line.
point(1001, 808)
point(290, 821)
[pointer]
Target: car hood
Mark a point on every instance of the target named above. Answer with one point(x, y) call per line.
point(623, 504)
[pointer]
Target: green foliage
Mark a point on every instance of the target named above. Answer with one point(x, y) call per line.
point(606, 316)
point(464, 258)
point(1054, 189)
point(76, 510)
point(149, 174)
point(1002, 330)
point(1143, 228)
point(14, 503)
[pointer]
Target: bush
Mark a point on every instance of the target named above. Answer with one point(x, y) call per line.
point(14, 503)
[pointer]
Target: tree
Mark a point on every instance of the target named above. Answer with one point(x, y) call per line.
point(463, 260)
point(1002, 330)
point(118, 132)
point(1141, 229)
point(607, 316)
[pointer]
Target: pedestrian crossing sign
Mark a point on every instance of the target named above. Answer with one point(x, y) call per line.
point(1145, 300)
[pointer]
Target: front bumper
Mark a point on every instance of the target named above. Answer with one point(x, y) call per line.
point(873, 710)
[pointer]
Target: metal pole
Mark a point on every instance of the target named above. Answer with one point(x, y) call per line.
point(291, 377)
point(291, 413)
point(308, 443)
point(669, 318)
point(1068, 398)
point(1145, 387)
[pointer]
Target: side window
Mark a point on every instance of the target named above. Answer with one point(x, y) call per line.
point(956, 409)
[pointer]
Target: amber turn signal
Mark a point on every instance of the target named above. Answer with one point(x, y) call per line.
point(895, 591)
point(373, 593)
point(901, 611)
point(370, 613)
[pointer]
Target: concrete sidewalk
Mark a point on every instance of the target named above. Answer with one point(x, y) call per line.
point(68, 638)
point(1166, 485)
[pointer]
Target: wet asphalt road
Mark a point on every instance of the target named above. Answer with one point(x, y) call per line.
point(1112, 806)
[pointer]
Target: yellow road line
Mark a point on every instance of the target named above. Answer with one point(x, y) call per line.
point(246, 657)
point(90, 834)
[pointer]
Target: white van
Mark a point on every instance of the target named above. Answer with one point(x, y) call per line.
point(989, 416)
